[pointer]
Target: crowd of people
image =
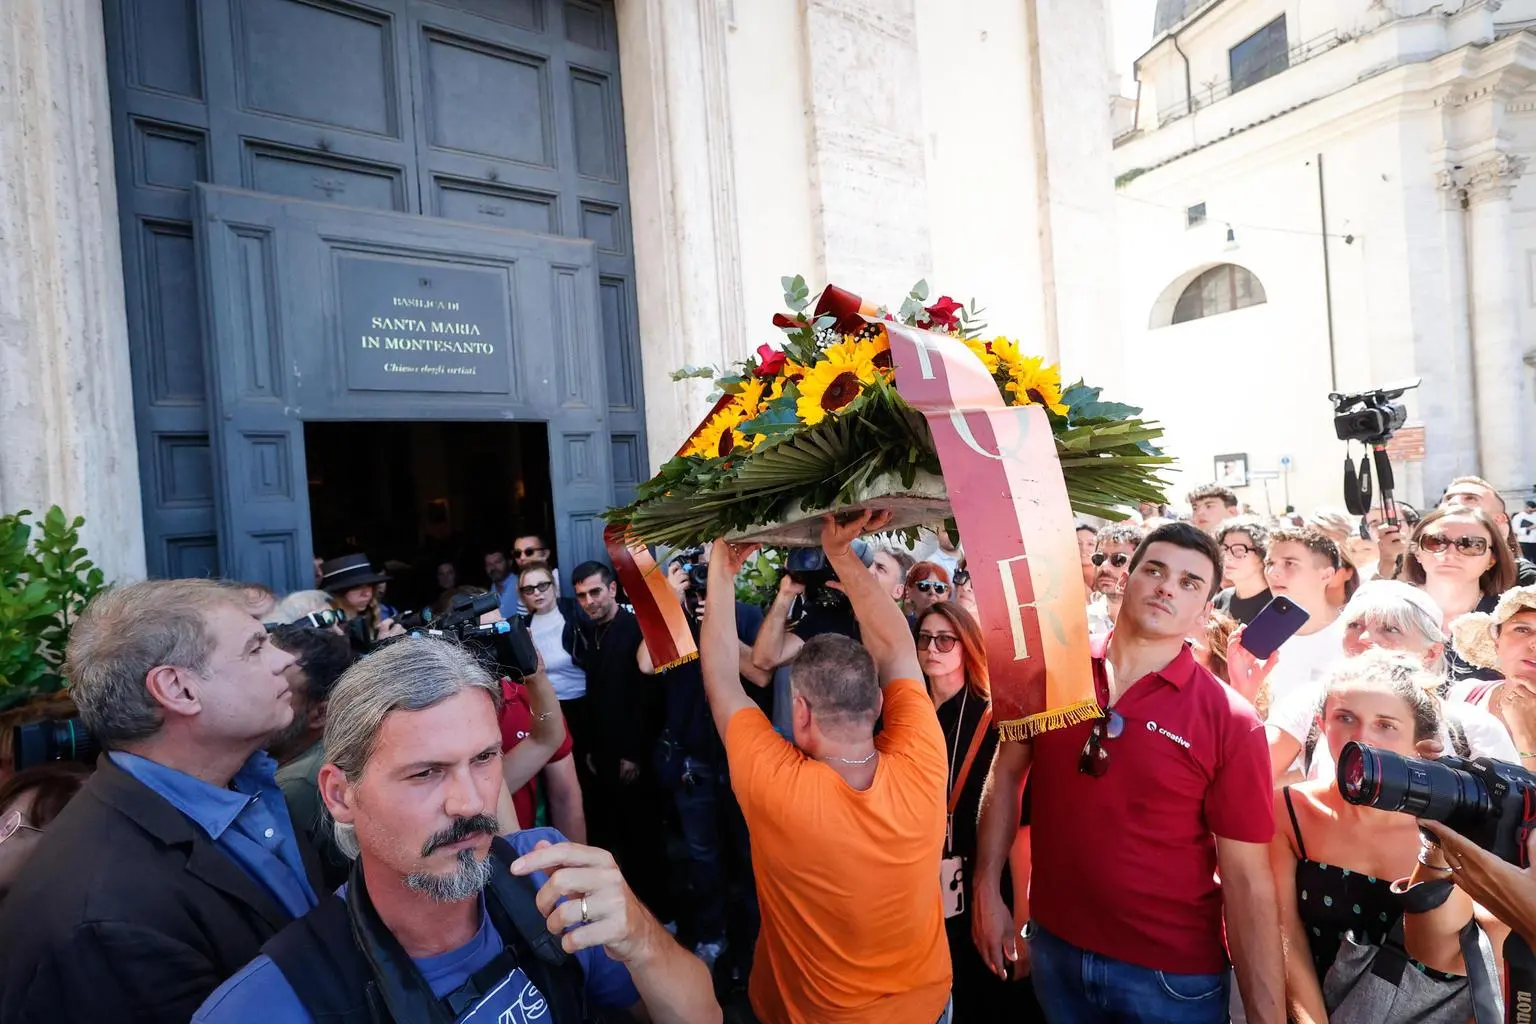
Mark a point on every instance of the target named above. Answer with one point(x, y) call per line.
point(314, 807)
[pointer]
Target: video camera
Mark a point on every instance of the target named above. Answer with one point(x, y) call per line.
point(508, 646)
point(1370, 417)
point(1491, 802)
point(809, 568)
point(58, 739)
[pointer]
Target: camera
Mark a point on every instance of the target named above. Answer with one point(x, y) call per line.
point(1370, 417)
point(1490, 802)
point(697, 570)
point(63, 739)
point(809, 568)
point(505, 646)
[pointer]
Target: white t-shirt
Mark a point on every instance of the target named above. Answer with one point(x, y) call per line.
point(569, 681)
point(1486, 735)
point(1304, 660)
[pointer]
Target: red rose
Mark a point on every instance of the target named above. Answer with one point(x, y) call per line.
point(787, 323)
point(770, 361)
point(942, 313)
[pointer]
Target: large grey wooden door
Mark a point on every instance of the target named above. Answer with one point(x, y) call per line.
point(505, 113)
point(322, 312)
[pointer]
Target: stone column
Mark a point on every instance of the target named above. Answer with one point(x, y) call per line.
point(1444, 357)
point(687, 253)
point(868, 172)
point(66, 397)
point(1504, 415)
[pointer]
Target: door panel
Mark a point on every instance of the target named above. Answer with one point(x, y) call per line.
point(322, 312)
point(502, 113)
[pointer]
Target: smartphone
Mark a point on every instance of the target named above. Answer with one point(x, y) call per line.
point(1276, 623)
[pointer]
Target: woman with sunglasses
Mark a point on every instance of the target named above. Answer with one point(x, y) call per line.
point(1341, 859)
point(953, 656)
point(927, 585)
point(1458, 557)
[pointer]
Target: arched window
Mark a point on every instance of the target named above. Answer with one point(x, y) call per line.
point(1218, 290)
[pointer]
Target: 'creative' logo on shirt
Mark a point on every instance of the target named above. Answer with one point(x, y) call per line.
point(1180, 740)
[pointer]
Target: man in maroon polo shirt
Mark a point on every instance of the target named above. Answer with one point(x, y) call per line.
point(1132, 818)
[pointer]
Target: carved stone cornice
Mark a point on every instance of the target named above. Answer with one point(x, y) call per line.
point(1488, 177)
point(1493, 177)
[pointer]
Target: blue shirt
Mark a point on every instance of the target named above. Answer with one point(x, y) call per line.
point(260, 994)
point(248, 821)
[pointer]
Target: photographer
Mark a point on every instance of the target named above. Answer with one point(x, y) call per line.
point(692, 768)
point(442, 918)
point(178, 858)
point(847, 828)
point(353, 585)
point(1335, 863)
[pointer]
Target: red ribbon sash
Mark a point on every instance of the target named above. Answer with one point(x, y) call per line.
point(662, 622)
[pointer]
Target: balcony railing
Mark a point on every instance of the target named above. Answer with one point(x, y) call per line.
point(1214, 91)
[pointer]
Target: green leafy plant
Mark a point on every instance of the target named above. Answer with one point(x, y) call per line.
point(45, 581)
point(758, 581)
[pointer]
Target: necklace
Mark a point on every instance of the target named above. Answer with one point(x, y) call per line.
point(856, 761)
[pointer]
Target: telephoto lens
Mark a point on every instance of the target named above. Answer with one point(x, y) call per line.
point(38, 743)
point(1449, 790)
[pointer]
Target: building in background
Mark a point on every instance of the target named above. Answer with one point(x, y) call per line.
point(284, 277)
point(1330, 195)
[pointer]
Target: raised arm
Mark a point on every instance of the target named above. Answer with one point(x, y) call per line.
point(775, 644)
point(883, 628)
point(719, 646)
point(525, 760)
point(992, 926)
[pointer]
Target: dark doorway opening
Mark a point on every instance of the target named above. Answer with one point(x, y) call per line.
point(413, 495)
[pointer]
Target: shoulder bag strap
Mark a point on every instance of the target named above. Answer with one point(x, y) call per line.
point(977, 738)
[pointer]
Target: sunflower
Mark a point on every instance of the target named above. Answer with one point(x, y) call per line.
point(835, 380)
point(750, 398)
point(983, 351)
point(1032, 382)
point(718, 437)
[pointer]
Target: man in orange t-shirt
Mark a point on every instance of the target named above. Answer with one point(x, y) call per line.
point(847, 828)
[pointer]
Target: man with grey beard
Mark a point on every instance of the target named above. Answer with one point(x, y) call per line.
point(442, 918)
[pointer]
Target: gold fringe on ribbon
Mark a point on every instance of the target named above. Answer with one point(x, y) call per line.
point(685, 659)
point(1058, 718)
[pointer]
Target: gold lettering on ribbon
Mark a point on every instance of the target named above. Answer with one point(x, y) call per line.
point(1015, 608)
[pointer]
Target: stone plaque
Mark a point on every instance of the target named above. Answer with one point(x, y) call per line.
point(415, 326)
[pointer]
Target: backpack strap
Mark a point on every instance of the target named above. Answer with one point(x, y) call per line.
point(512, 902)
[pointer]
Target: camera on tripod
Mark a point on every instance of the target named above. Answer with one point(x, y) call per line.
point(1491, 802)
point(1371, 417)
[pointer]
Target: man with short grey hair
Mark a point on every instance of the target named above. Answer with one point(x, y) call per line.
point(178, 859)
point(442, 918)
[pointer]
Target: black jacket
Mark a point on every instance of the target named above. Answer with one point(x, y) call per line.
point(127, 911)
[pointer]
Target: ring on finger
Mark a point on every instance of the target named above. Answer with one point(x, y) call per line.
point(586, 918)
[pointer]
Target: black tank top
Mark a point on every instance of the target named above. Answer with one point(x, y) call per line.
point(1334, 900)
